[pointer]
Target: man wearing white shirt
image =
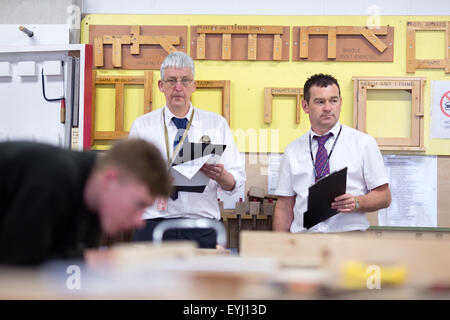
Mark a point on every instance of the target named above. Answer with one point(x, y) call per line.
point(180, 122)
point(303, 164)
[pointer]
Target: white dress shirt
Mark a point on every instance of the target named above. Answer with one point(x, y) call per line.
point(355, 150)
point(150, 127)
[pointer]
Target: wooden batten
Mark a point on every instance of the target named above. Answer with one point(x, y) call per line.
point(373, 39)
point(98, 51)
point(117, 52)
point(304, 42)
point(277, 47)
point(226, 46)
point(252, 48)
point(331, 43)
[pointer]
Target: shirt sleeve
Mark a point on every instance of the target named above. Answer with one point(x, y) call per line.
point(134, 132)
point(26, 231)
point(375, 173)
point(285, 187)
point(232, 161)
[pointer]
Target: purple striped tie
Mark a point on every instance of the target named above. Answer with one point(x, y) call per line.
point(322, 156)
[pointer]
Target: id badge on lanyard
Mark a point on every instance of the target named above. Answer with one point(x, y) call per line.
point(161, 204)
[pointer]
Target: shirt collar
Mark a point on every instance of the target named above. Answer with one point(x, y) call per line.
point(169, 115)
point(334, 130)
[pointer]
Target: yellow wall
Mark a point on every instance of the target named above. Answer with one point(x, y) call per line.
point(248, 79)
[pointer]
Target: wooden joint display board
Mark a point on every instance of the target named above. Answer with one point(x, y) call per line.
point(269, 93)
point(411, 62)
point(240, 42)
point(119, 83)
point(219, 84)
point(135, 47)
point(343, 43)
point(415, 142)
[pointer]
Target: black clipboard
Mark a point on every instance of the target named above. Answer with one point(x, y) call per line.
point(190, 151)
point(321, 195)
point(187, 153)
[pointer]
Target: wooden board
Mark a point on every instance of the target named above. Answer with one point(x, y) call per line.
point(318, 43)
point(423, 257)
point(124, 43)
point(262, 43)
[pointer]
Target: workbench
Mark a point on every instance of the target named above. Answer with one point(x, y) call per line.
point(269, 266)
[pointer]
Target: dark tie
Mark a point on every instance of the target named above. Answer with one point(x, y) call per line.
point(181, 126)
point(322, 157)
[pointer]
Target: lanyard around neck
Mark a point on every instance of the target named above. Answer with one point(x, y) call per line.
point(328, 158)
point(180, 143)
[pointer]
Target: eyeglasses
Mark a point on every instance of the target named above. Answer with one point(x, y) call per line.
point(172, 81)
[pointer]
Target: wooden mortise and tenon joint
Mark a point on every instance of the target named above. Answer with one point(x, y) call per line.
point(370, 34)
point(135, 40)
point(228, 30)
point(269, 93)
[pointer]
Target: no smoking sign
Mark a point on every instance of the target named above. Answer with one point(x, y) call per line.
point(440, 104)
point(445, 104)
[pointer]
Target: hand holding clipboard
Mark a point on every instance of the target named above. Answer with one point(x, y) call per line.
point(321, 195)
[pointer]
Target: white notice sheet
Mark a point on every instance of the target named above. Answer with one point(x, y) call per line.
point(413, 184)
point(273, 172)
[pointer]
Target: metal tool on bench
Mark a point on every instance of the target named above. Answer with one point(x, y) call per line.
point(188, 224)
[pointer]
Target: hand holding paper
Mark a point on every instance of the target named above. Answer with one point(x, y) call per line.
point(219, 174)
point(190, 168)
point(186, 168)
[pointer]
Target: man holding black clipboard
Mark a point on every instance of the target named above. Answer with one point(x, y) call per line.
point(176, 129)
point(358, 182)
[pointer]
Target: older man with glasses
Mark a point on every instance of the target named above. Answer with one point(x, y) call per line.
point(176, 123)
